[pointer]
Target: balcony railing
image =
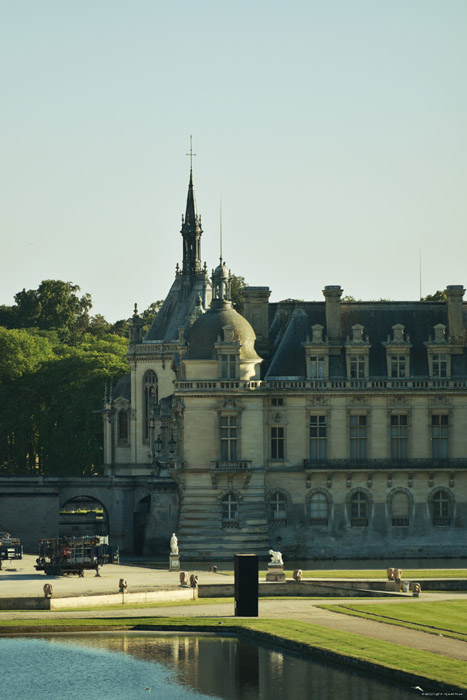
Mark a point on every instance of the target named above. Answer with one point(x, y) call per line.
point(384, 464)
point(318, 385)
point(231, 465)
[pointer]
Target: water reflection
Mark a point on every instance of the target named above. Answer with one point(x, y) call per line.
point(217, 667)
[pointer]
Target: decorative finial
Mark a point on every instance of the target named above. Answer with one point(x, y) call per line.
point(135, 312)
point(191, 154)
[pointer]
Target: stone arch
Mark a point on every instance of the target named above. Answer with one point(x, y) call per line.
point(399, 511)
point(359, 502)
point(318, 506)
point(83, 515)
point(441, 503)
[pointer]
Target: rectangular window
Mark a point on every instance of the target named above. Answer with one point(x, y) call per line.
point(228, 366)
point(277, 402)
point(440, 365)
point(277, 442)
point(398, 366)
point(358, 437)
point(439, 436)
point(357, 366)
point(229, 438)
point(318, 437)
point(317, 367)
point(399, 431)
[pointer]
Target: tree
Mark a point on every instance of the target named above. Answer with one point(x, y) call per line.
point(50, 396)
point(437, 296)
point(237, 285)
point(54, 305)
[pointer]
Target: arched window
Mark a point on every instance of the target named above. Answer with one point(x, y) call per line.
point(150, 399)
point(359, 509)
point(122, 429)
point(319, 509)
point(278, 507)
point(400, 508)
point(229, 510)
point(441, 508)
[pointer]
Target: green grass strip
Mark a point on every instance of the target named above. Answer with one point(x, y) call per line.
point(413, 574)
point(445, 617)
point(421, 664)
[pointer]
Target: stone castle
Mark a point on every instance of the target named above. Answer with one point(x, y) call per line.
point(326, 429)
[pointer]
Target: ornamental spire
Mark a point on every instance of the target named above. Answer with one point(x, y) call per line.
point(191, 228)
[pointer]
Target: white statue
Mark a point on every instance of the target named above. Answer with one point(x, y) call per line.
point(173, 544)
point(276, 558)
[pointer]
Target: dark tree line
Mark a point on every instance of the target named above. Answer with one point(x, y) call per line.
point(55, 360)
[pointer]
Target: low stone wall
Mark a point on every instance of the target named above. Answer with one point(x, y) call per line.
point(353, 589)
point(159, 596)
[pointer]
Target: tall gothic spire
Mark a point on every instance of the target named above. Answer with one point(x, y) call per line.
point(191, 229)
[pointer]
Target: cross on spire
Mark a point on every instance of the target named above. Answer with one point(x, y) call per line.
point(191, 154)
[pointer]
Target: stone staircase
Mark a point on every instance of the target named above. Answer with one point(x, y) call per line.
point(201, 534)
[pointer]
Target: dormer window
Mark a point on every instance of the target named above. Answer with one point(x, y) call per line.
point(357, 366)
point(228, 354)
point(439, 353)
point(317, 366)
point(228, 366)
point(317, 354)
point(357, 352)
point(398, 353)
point(398, 365)
point(440, 365)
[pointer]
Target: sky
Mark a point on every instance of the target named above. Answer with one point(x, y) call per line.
point(333, 132)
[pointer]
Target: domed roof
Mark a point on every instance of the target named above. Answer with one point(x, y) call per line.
point(221, 272)
point(208, 328)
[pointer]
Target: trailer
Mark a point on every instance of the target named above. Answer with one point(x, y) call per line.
point(62, 556)
point(10, 548)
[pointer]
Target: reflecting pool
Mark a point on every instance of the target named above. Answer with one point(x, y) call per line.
point(126, 666)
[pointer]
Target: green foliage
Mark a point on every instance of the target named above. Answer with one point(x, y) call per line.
point(54, 305)
point(54, 364)
point(49, 405)
point(437, 296)
point(237, 285)
point(21, 353)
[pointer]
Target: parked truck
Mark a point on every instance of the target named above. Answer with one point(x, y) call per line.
point(10, 548)
point(60, 556)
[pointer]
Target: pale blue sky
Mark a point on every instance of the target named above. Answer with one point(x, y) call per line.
point(334, 132)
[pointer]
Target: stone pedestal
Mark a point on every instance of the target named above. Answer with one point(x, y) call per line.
point(276, 573)
point(174, 562)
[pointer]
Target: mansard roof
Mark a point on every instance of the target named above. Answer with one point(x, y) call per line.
point(290, 326)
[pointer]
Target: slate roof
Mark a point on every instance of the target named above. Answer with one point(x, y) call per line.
point(178, 305)
point(291, 323)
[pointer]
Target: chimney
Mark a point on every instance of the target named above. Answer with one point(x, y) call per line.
point(332, 295)
point(455, 295)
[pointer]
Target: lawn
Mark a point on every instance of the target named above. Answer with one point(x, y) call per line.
point(421, 664)
point(414, 574)
point(446, 617)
